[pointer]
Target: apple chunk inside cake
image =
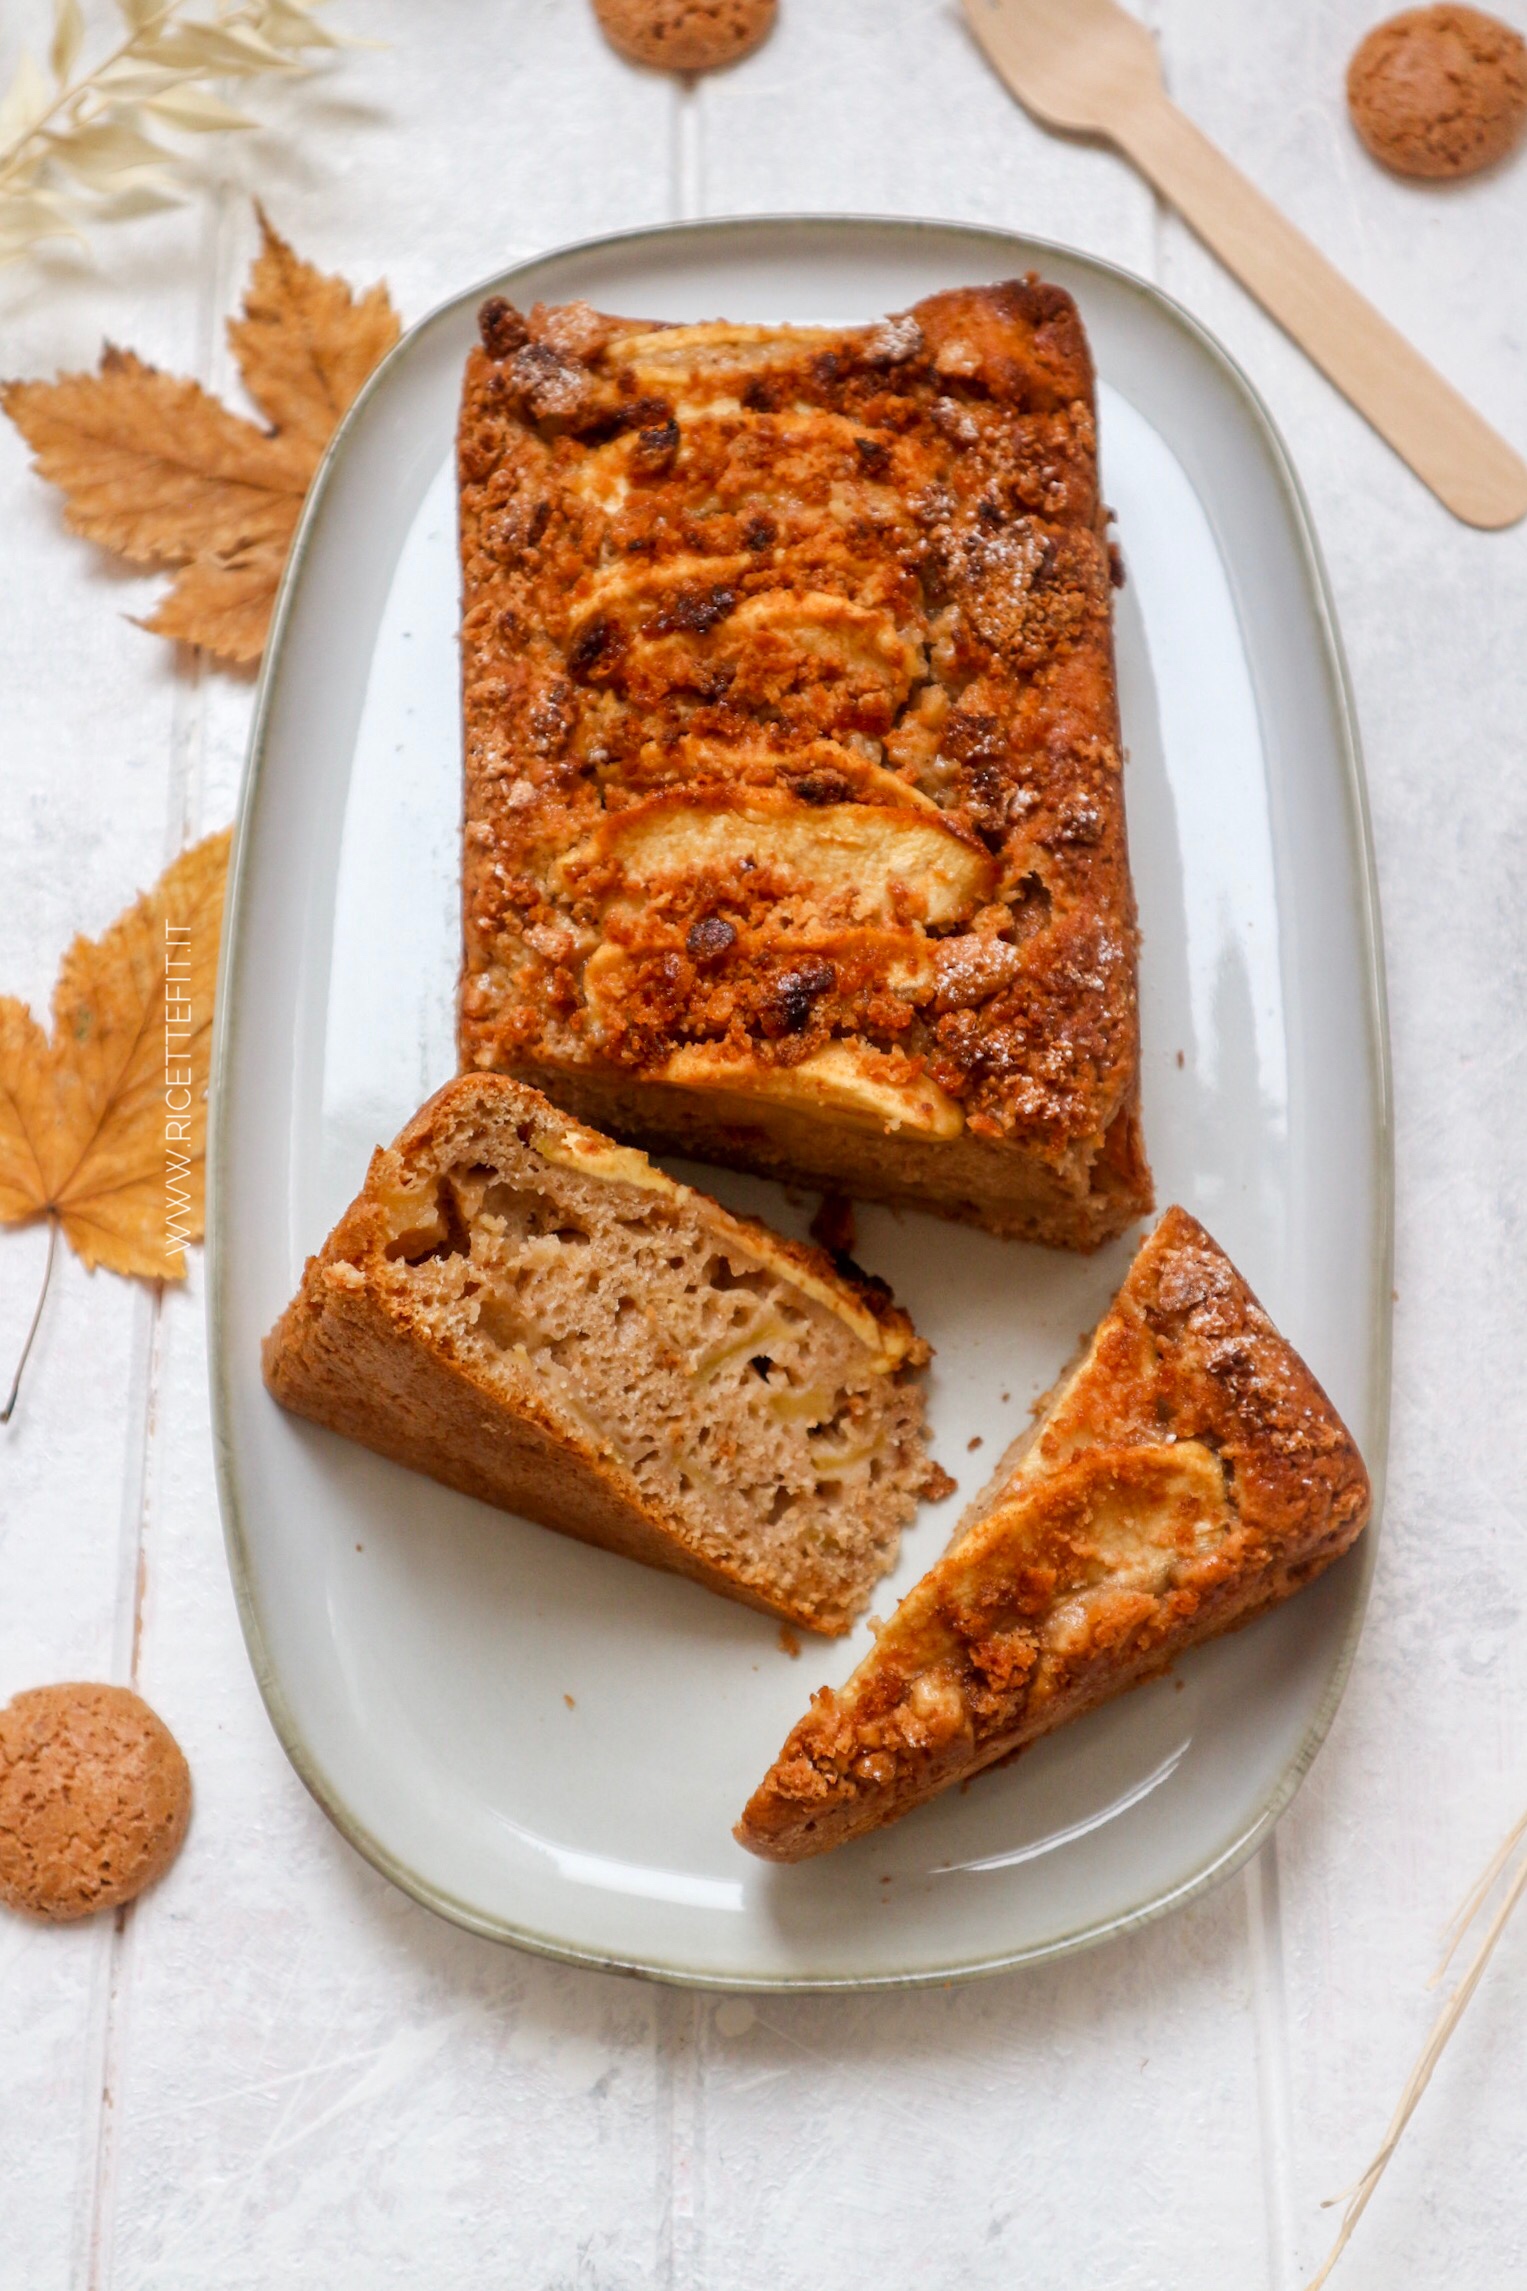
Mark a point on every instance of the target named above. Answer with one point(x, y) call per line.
point(523, 1309)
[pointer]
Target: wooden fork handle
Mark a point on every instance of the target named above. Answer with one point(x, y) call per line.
point(1450, 447)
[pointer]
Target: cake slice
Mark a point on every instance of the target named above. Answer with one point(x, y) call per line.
point(1187, 1473)
point(536, 1316)
point(794, 830)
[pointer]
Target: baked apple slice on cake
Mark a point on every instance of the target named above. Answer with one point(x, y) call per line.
point(1186, 1473)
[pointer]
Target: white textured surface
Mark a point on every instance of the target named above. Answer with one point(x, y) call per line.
point(277, 2070)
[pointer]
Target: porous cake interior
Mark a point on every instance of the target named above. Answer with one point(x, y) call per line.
point(776, 1434)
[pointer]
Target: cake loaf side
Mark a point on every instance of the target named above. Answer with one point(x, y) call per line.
point(794, 821)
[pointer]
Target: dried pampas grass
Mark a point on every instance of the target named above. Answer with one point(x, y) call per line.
point(1356, 2197)
point(77, 146)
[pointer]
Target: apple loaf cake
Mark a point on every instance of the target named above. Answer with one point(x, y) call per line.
point(1188, 1473)
point(794, 822)
point(524, 1310)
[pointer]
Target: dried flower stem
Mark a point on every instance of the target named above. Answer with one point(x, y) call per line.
point(17, 157)
point(14, 1394)
point(1466, 1915)
point(77, 144)
point(1447, 2020)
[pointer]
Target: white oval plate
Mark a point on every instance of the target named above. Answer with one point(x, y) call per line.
point(548, 1744)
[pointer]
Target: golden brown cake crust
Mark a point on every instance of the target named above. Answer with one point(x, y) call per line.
point(1188, 1475)
point(359, 1352)
point(94, 1799)
point(794, 816)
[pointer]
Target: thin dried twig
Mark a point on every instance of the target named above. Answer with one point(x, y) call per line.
point(1442, 2028)
point(79, 145)
point(1464, 1917)
point(9, 1410)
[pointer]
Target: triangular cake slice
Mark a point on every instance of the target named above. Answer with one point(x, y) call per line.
point(1187, 1472)
point(527, 1312)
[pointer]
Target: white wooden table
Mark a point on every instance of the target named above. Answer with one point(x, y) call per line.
point(276, 2070)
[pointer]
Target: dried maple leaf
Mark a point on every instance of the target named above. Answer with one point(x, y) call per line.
point(162, 472)
point(104, 1128)
point(306, 343)
point(156, 468)
point(224, 603)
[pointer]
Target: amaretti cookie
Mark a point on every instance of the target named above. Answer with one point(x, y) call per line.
point(686, 35)
point(1439, 92)
point(794, 818)
point(541, 1318)
point(95, 1796)
point(1186, 1474)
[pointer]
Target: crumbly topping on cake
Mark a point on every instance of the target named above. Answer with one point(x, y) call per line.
point(793, 761)
point(1185, 1474)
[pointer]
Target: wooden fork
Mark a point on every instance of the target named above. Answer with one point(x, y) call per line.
point(1087, 66)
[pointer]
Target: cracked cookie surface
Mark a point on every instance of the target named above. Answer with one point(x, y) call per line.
point(1439, 91)
point(95, 1796)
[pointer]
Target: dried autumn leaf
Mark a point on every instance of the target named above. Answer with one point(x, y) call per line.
point(162, 472)
point(156, 468)
point(224, 603)
point(306, 342)
point(105, 1127)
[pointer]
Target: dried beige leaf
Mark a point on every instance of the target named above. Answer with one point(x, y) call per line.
point(68, 38)
point(223, 603)
point(27, 216)
point(25, 100)
point(306, 341)
point(226, 49)
point(196, 111)
point(50, 130)
point(98, 155)
point(289, 24)
point(104, 1127)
